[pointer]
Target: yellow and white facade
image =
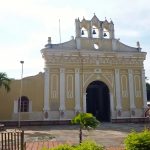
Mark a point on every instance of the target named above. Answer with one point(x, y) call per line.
point(93, 72)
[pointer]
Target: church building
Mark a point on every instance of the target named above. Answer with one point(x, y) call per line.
point(93, 72)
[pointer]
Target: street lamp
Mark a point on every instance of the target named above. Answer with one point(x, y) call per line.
point(20, 93)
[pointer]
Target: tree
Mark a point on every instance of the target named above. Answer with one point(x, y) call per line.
point(85, 121)
point(4, 81)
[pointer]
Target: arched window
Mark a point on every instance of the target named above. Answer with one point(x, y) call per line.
point(24, 104)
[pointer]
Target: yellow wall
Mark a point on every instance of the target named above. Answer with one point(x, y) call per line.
point(33, 88)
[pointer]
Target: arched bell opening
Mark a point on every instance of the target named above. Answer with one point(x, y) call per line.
point(106, 33)
point(95, 32)
point(98, 100)
point(84, 32)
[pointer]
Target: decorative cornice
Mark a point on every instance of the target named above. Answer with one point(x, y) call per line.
point(94, 61)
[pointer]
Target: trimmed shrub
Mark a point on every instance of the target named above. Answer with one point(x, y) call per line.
point(86, 145)
point(138, 141)
point(63, 147)
point(89, 145)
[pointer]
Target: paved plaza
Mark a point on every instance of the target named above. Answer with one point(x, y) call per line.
point(107, 134)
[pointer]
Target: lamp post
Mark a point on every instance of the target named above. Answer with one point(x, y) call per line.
point(20, 93)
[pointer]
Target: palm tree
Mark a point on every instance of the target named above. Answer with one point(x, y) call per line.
point(4, 81)
point(86, 121)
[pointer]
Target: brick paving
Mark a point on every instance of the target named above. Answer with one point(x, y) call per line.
point(38, 145)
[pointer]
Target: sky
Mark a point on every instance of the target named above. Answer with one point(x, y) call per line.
point(25, 26)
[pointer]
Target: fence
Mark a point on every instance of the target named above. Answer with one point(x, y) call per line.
point(12, 140)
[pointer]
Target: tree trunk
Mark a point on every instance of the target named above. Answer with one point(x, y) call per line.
point(80, 135)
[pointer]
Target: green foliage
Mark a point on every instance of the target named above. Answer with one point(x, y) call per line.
point(138, 141)
point(89, 145)
point(4, 81)
point(86, 145)
point(63, 147)
point(86, 120)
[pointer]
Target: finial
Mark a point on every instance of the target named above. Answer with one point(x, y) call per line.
point(111, 21)
point(138, 45)
point(49, 40)
point(49, 45)
point(106, 19)
point(94, 14)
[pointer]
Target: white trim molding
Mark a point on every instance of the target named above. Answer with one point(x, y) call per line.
point(62, 89)
point(77, 90)
point(118, 93)
point(84, 102)
point(131, 93)
point(144, 90)
point(46, 89)
point(46, 94)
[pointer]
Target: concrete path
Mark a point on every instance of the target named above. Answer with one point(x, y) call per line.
point(107, 134)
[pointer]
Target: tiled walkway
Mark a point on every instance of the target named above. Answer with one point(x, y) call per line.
point(38, 145)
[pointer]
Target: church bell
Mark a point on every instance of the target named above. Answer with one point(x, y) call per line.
point(105, 35)
point(82, 32)
point(94, 32)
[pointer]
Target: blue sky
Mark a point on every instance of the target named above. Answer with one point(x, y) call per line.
point(26, 24)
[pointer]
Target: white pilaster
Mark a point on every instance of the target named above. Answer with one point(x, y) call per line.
point(118, 92)
point(62, 89)
point(131, 89)
point(77, 90)
point(90, 32)
point(144, 90)
point(84, 102)
point(46, 93)
point(131, 93)
point(100, 33)
point(111, 103)
point(46, 89)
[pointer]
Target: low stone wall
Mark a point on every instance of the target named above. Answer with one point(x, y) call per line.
point(67, 122)
point(131, 120)
point(35, 123)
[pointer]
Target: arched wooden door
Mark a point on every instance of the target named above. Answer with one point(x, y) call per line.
point(98, 100)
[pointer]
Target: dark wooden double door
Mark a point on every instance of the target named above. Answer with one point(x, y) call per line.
point(98, 101)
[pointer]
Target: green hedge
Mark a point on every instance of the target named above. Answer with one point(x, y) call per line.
point(138, 141)
point(86, 145)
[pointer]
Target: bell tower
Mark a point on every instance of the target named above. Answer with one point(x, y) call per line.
point(94, 28)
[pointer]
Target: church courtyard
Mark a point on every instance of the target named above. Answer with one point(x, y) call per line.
point(107, 134)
